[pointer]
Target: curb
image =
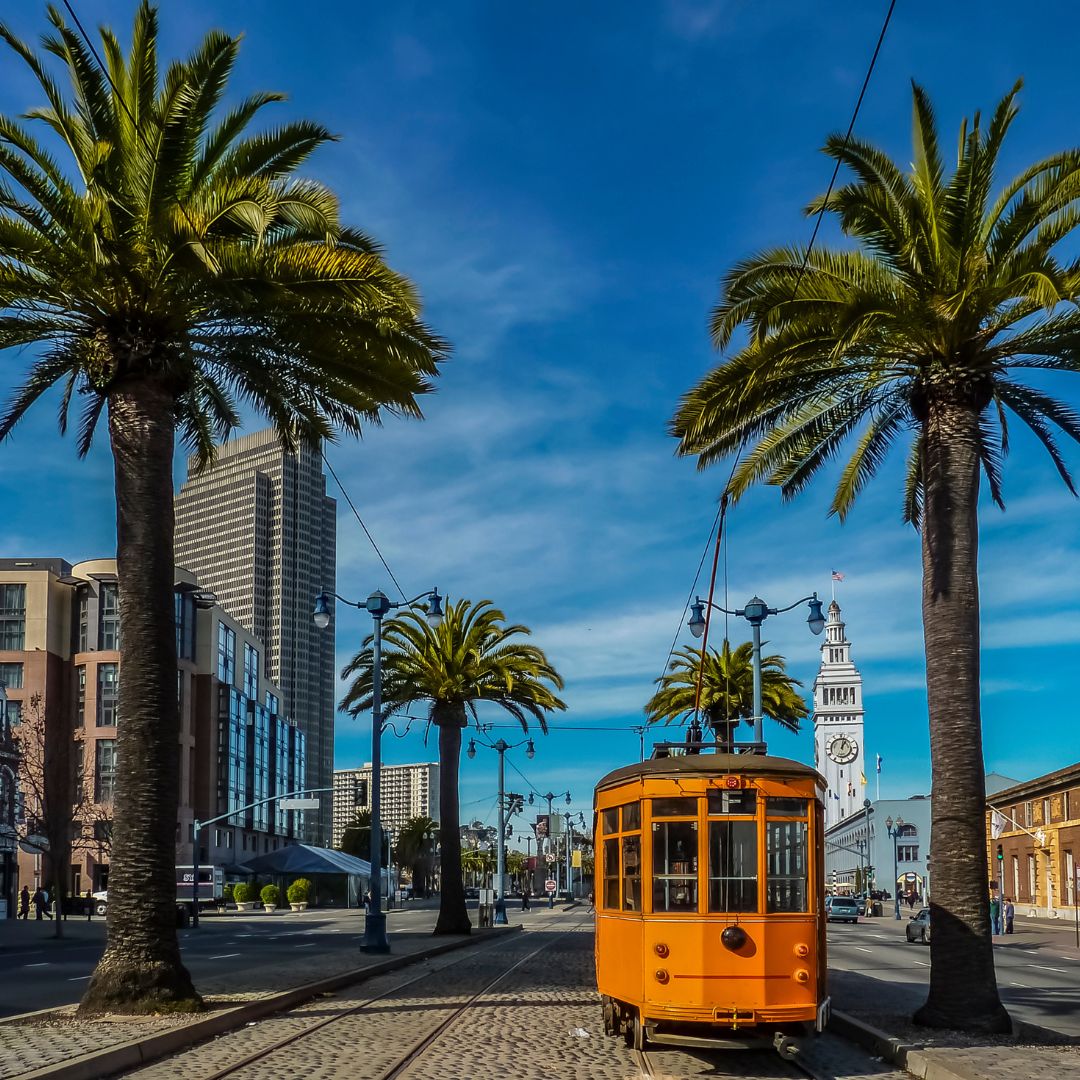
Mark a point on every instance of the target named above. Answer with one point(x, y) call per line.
point(139, 1052)
point(920, 1061)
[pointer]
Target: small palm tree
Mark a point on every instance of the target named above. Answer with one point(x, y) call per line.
point(921, 333)
point(413, 850)
point(727, 690)
point(471, 657)
point(169, 271)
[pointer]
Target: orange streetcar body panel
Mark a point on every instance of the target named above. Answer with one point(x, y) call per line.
point(709, 894)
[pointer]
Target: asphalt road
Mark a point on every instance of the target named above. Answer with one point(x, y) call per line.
point(40, 972)
point(1038, 969)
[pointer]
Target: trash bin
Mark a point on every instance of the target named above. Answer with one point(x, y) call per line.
point(486, 915)
point(876, 909)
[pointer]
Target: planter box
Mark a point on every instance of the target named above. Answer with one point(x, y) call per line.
point(269, 907)
point(299, 907)
point(248, 906)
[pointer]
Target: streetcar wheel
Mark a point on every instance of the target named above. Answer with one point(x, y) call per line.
point(635, 1032)
point(611, 1026)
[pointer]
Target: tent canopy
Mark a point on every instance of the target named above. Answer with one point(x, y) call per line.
point(304, 859)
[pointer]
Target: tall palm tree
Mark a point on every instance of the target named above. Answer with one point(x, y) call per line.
point(471, 657)
point(413, 850)
point(919, 333)
point(168, 270)
point(727, 690)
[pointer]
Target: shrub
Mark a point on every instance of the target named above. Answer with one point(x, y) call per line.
point(270, 895)
point(227, 894)
point(299, 891)
point(243, 892)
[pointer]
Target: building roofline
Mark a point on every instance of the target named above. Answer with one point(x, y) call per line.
point(1037, 784)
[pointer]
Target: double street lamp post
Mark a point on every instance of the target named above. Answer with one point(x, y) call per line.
point(500, 861)
point(551, 796)
point(894, 835)
point(378, 604)
point(755, 613)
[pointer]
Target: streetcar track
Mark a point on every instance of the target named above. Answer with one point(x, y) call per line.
point(419, 1048)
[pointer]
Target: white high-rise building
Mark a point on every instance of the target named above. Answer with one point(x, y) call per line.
point(407, 791)
point(839, 753)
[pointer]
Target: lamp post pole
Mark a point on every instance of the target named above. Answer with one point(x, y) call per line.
point(894, 835)
point(755, 613)
point(378, 604)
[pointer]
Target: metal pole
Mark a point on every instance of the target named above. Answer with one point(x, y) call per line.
point(896, 888)
point(569, 839)
point(195, 883)
point(500, 858)
point(375, 939)
point(759, 737)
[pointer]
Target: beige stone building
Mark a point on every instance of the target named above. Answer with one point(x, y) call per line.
point(407, 791)
point(1035, 826)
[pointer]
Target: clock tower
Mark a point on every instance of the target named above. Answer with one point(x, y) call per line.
point(838, 723)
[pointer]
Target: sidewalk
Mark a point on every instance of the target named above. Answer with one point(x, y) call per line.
point(55, 1043)
point(877, 1015)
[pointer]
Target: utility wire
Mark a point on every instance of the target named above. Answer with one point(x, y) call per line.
point(367, 533)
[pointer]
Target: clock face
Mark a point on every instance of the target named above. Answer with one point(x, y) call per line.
point(842, 749)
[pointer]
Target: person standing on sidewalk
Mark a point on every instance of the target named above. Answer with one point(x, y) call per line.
point(1008, 911)
point(995, 915)
point(24, 903)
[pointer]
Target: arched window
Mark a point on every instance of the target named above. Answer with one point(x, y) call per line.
point(907, 830)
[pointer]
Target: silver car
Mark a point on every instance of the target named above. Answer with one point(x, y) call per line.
point(841, 909)
point(918, 929)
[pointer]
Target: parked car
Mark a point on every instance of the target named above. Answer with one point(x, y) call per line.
point(841, 909)
point(183, 911)
point(918, 929)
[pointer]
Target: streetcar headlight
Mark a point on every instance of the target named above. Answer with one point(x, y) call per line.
point(661, 976)
point(802, 951)
point(661, 950)
point(733, 938)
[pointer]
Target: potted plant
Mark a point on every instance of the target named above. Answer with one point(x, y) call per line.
point(269, 896)
point(298, 893)
point(243, 894)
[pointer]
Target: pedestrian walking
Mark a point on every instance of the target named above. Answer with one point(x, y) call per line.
point(40, 903)
point(995, 915)
point(592, 904)
point(1009, 911)
point(526, 904)
point(89, 904)
point(24, 903)
point(367, 902)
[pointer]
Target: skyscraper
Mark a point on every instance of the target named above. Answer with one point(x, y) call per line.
point(258, 529)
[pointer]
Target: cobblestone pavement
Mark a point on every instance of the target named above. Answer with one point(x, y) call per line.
point(540, 1022)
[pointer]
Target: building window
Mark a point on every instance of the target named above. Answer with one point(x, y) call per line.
point(251, 672)
point(12, 617)
point(1028, 816)
point(109, 616)
point(84, 621)
point(226, 647)
point(80, 695)
point(105, 770)
point(271, 703)
point(1046, 812)
point(107, 693)
point(11, 676)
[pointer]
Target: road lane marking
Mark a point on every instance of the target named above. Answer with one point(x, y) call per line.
point(223, 956)
point(43, 964)
point(1043, 967)
point(862, 948)
point(80, 978)
point(1024, 985)
point(921, 963)
point(306, 945)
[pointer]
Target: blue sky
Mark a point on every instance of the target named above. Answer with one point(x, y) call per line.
point(566, 183)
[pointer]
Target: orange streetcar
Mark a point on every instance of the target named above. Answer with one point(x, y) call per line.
point(710, 928)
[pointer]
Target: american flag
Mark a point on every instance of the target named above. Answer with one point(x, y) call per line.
point(837, 576)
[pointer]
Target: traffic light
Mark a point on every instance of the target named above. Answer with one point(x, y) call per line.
point(1001, 852)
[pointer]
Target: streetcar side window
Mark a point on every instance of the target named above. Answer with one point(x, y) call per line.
point(722, 803)
point(784, 807)
point(611, 874)
point(631, 817)
point(610, 820)
point(631, 856)
point(786, 866)
point(675, 871)
point(733, 866)
point(674, 808)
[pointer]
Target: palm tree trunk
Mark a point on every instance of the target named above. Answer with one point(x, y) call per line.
point(141, 970)
point(963, 988)
point(453, 916)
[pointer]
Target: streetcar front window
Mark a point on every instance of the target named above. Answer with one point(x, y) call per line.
point(631, 817)
point(674, 845)
point(785, 807)
point(674, 808)
point(786, 865)
point(742, 803)
point(631, 856)
point(733, 866)
point(611, 874)
point(610, 820)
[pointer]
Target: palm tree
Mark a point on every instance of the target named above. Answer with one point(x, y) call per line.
point(471, 657)
point(172, 270)
point(356, 838)
point(918, 333)
point(413, 850)
point(727, 690)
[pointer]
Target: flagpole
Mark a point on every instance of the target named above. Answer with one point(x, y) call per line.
point(877, 785)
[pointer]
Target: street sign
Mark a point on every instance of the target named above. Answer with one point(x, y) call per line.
point(575, 859)
point(550, 885)
point(298, 804)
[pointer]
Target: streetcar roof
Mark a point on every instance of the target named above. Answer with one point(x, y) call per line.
point(720, 764)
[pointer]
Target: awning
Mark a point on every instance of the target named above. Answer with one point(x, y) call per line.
point(305, 859)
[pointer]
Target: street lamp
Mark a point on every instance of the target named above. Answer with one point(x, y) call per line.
point(378, 604)
point(755, 613)
point(500, 866)
point(550, 796)
point(894, 835)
